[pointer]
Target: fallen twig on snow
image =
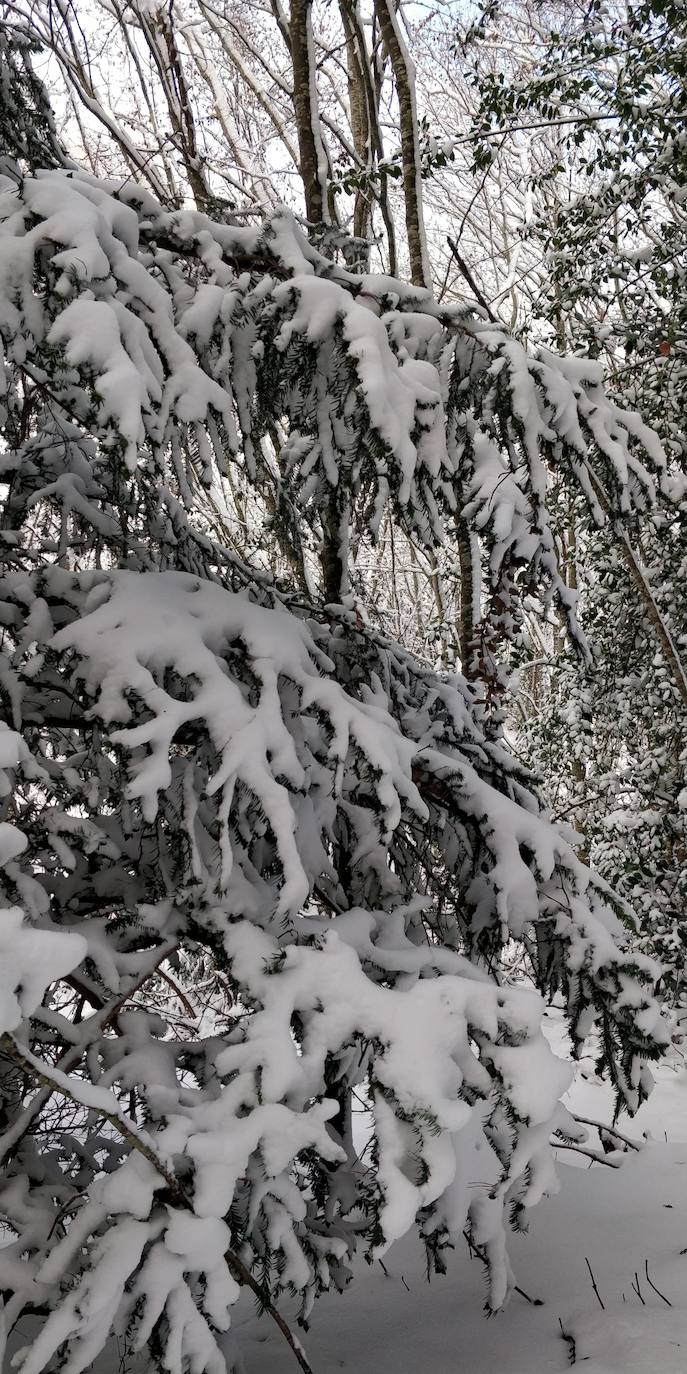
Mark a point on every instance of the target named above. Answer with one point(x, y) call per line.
point(601, 1302)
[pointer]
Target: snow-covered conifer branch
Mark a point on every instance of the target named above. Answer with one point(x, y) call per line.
point(175, 326)
point(211, 765)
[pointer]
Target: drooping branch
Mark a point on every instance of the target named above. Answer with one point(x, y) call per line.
point(92, 1030)
point(53, 1080)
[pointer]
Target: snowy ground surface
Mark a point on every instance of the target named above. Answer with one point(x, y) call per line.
point(621, 1220)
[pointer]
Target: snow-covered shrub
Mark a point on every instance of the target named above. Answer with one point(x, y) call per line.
point(230, 779)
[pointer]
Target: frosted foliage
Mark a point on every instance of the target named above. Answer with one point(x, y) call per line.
point(244, 831)
point(30, 961)
point(611, 742)
point(379, 393)
point(255, 1016)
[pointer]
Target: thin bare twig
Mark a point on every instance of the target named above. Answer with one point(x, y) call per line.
point(661, 1295)
point(479, 1252)
point(467, 274)
point(602, 1304)
point(92, 1029)
point(570, 1342)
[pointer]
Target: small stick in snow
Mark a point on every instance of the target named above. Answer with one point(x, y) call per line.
point(478, 1251)
point(637, 1289)
point(666, 1300)
point(570, 1341)
point(601, 1302)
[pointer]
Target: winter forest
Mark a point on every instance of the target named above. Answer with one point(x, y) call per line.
point(343, 686)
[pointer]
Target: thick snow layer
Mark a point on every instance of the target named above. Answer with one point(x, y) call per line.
point(30, 960)
point(622, 1220)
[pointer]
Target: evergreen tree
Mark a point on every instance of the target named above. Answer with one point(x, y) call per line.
point(217, 778)
point(609, 188)
point(27, 128)
point(611, 743)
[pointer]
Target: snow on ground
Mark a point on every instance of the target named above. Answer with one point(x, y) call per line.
point(622, 1221)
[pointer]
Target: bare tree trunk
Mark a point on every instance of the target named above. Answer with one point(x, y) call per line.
point(311, 152)
point(333, 555)
point(375, 147)
point(150, 107)
point(210, 76)
point(404, 77)
point(158, 30)
point(231, 51)
point(469, 613)
point(360, 125)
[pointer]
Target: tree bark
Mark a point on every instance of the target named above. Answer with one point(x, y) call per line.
point(467, 621)
point(332, 558)
point(404, 77)
point(158, 30)
point(311, 156)
point(373, 148)
point(360, 126)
